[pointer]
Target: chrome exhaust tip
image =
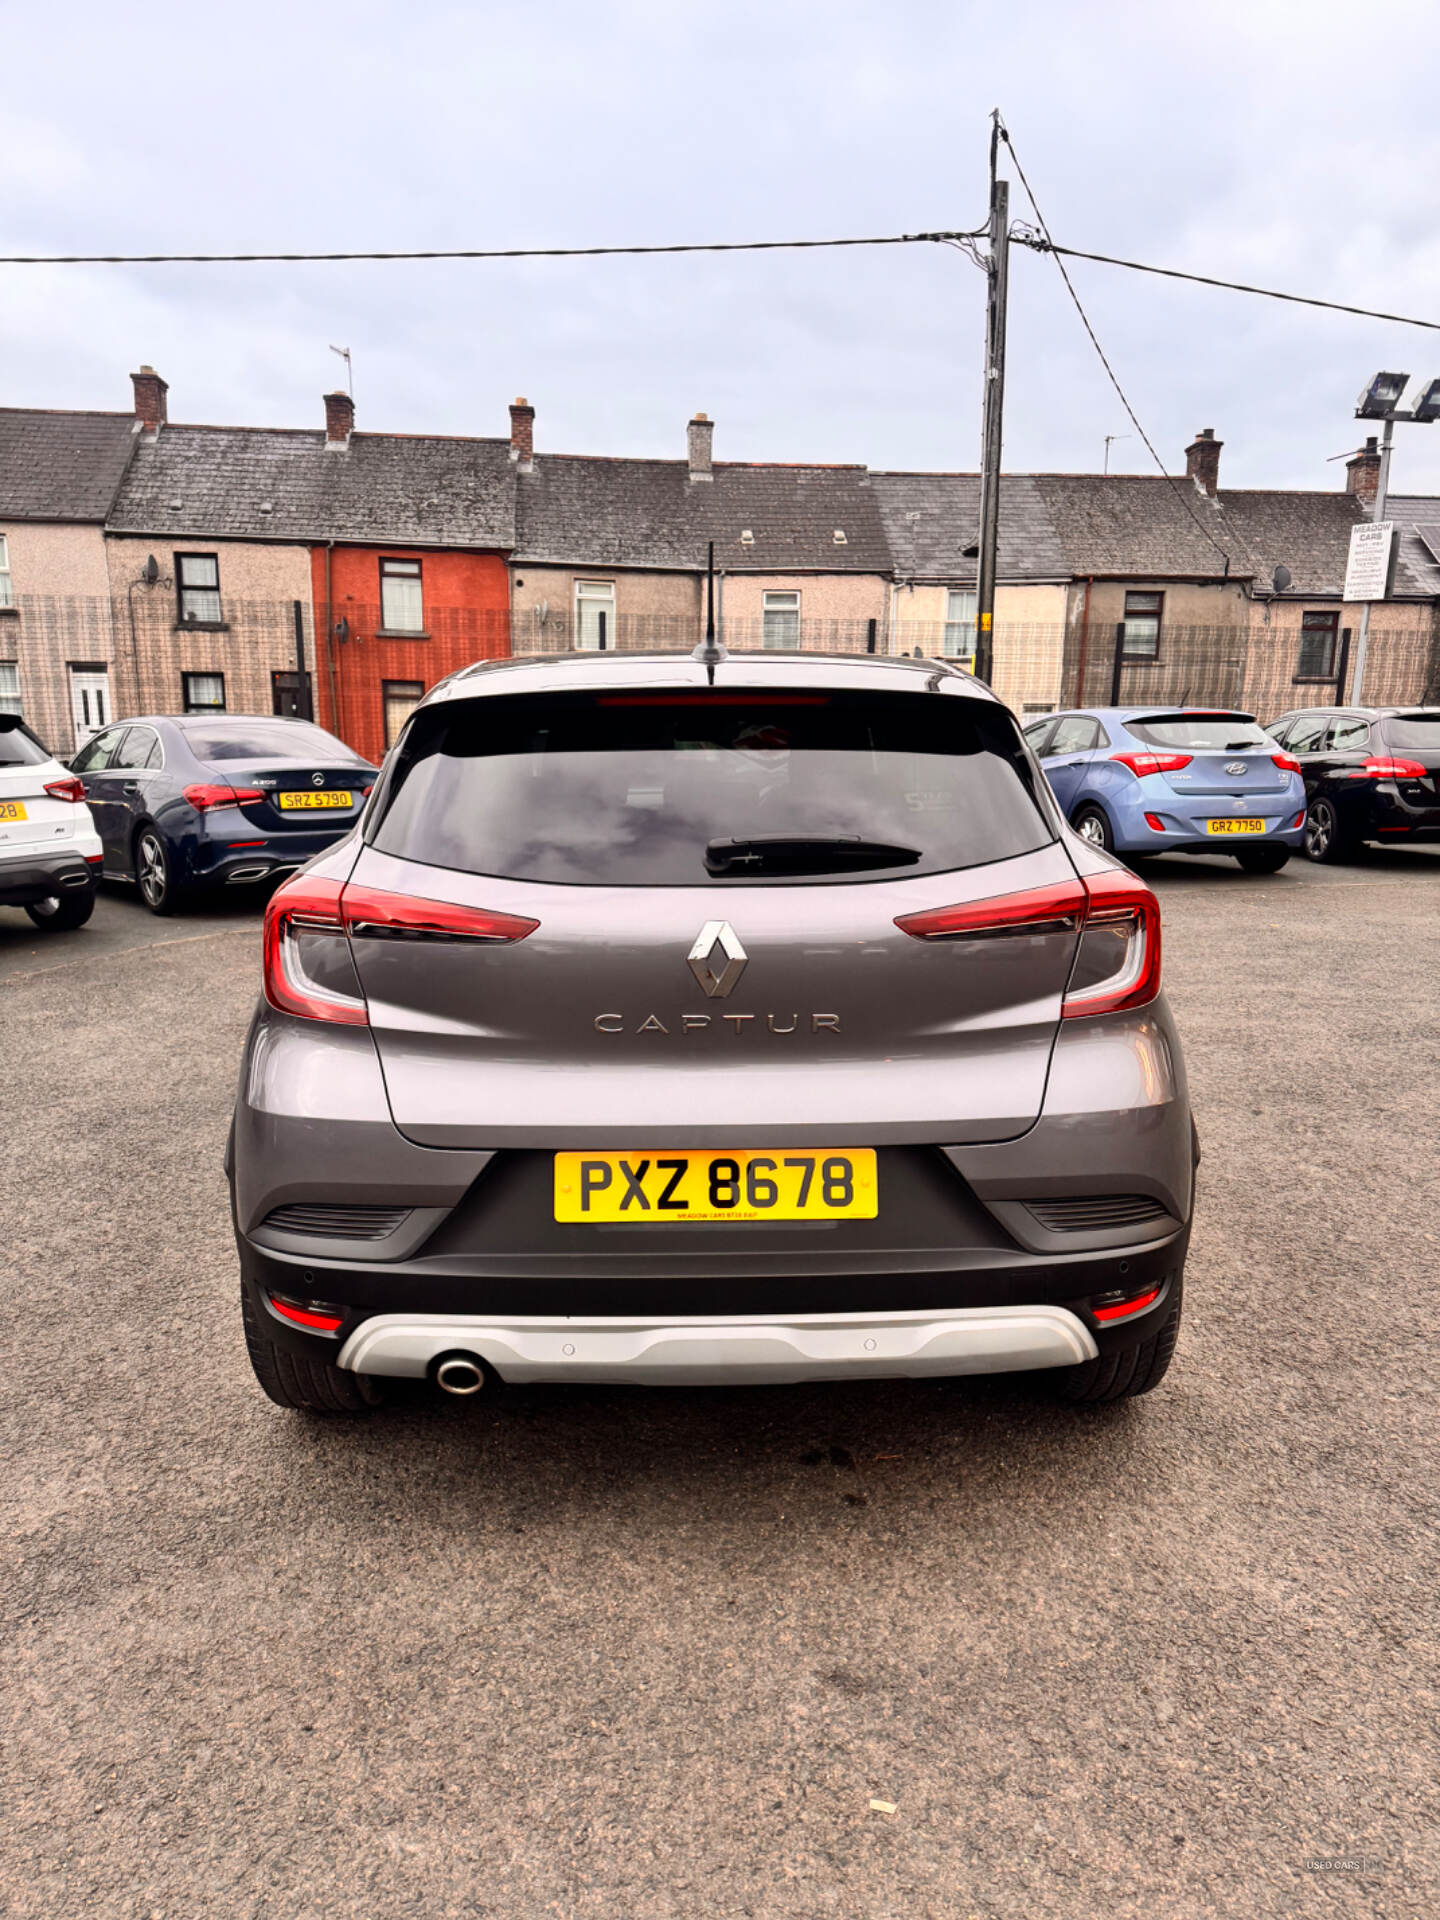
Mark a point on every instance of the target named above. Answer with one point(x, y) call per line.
point(459, 1373)
point(243, 875)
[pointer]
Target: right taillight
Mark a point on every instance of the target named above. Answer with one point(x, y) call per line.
point(309, 924)
point(209, 795)
point(1287, 763)
point(1388, 768)
point(1117, 957)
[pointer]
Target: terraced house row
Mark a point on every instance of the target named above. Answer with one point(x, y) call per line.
point(149, 565)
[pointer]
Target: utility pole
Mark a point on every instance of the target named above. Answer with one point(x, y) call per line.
point(1387, 434)
point(998, 277)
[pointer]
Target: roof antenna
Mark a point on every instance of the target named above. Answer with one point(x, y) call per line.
point(710, 652)
point(344, 353)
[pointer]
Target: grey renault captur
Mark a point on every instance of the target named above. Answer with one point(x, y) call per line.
point(672, 1022)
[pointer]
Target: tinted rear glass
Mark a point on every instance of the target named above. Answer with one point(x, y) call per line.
point(1420, 732)
point(1201, 733)
point(631, 790)
point(18, 746)
point(264, 740)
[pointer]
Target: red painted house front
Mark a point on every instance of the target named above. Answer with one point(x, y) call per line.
point(398, 619)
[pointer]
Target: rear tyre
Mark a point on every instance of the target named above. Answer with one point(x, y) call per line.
point(301, 1380)
point(1262, 859)
point(1325, 839)
point(154, 874)
point(1134, 1370)
point(62, 912)
point(1092, 825)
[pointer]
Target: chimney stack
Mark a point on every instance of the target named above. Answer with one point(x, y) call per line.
point(1202, 461)
point(1362, 473)
point(699, 435)
point(150, 392)
point(522, 434)
point(339, 421)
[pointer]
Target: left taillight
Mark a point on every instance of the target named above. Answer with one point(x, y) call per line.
point(1117, 958)
point(72, 790)
point(309, 923)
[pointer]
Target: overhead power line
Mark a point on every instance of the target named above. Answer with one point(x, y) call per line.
point(1046, 245)
point(463, 253)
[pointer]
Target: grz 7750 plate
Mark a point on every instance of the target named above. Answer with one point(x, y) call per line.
point(644, 1188)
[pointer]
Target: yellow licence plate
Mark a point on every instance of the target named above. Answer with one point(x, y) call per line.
point(636, 1188)
point(1234, 826)
point(297, 802)
point(12, 810)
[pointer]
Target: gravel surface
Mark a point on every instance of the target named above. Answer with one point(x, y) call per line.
point(624, 1653)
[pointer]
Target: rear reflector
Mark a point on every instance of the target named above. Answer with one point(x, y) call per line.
point(317, 1315)
point(1155, 823)
point(1126, 1307)
point(1117, 959)
point(1142, 763)
point(307, 907)
point(1299, 820)
point(207, 796)
point(71, 789)
point(94, 859)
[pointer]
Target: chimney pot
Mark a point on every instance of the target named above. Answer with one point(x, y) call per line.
point(700, 436)
point(339, 421)
point(150, 392)
point(1202, 461)
point(522, 434)
point(1362, 473)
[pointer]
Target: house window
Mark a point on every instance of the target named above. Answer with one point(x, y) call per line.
point(1319, 633)
point(401, 698)
point(402, 607)
point(203, 692)
point(595, 614)
point(197, 576)
point(7, 587)
point(781, 622)
point(1142, 625)
point(960, 606)
point(9, 687)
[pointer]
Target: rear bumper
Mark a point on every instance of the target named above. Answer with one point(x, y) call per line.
point(41, 875)
point(728, 1351)
point(240, 856)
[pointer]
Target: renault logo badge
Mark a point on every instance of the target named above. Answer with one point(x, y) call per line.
point(717, 958)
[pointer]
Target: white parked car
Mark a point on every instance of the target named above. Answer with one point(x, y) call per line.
point(50, 853)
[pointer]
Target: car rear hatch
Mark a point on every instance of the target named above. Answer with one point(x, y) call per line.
point(1217, 753)
point(29, 816)
point(1412, 742)
point(678, 981)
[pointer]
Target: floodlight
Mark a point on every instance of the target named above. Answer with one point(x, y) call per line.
point(1382, 396)
point(1427, 407)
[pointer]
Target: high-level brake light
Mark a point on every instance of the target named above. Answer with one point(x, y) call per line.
point(1116, 915)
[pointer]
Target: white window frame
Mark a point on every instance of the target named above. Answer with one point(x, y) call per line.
point(960, 608)
point(7, 584)
point(783, 631)
point(405, 574)
point(599, 597)
point(10, 700)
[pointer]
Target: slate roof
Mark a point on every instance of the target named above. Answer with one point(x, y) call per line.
point(413, 490)
point(931, 518)
point(61, 466)
point(1130, 526)
point(1417, 518)
point(575, 508)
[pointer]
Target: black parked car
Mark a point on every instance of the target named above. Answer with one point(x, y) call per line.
point(1371, 773)
point(217, 800)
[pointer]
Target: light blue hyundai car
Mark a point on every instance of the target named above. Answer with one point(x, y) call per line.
point(1140, 780)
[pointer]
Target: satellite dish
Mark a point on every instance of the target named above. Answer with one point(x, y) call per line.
point(1280, 579)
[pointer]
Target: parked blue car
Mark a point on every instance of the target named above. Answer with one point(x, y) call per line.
point(217, 800)
point(1140, 780)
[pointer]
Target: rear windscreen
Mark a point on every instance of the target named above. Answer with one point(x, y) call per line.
point(264, 740)
point(18, 746)
point(1420, 732)
point(1201, 732)
point(695, 789)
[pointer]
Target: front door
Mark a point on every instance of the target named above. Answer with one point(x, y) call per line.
point(1067, 755)
point(89, 701)
point(290, 693)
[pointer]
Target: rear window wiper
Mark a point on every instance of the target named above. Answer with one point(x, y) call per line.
point(804, 853)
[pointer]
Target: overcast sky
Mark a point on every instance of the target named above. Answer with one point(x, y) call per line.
point(1297, 147)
